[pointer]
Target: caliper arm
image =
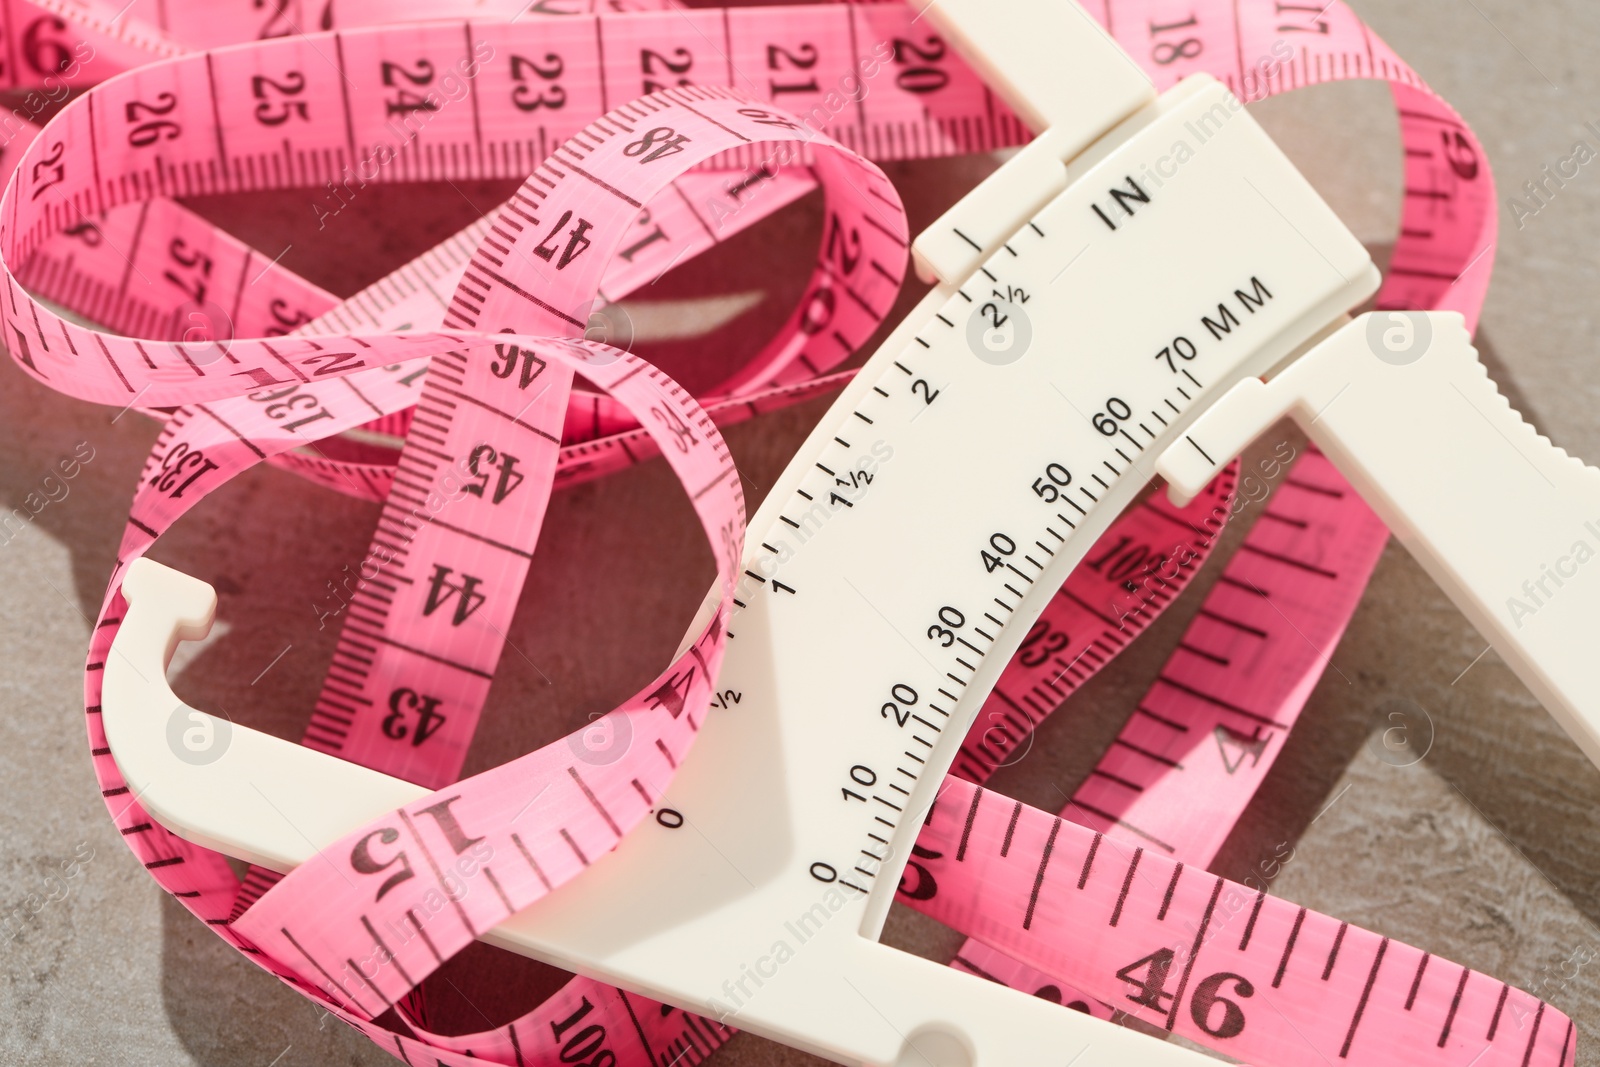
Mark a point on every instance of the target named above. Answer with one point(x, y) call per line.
point(1505, 522)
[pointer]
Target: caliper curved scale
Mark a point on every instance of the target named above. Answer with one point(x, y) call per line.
point(1139, 259)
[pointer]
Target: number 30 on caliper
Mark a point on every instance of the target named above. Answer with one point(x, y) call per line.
point(1139, 259)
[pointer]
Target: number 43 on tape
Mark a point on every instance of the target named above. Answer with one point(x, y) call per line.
point(1029, 353)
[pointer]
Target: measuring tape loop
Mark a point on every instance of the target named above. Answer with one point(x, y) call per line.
point(669, 415)
point(337, 722)
point(615, 156)
point(516, 832)
point(292, 403)
point(662, 717)
point(1333, 58)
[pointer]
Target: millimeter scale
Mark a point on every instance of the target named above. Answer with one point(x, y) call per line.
point(1092, 324)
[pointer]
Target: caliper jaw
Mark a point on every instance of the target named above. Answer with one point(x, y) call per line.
point(1507, 523)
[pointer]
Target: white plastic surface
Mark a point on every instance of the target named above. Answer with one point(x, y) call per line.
point(1055, 66)
point(1064, 77)
point(956, 422)
point(1505, 522)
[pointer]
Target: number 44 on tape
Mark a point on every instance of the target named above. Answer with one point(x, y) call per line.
point(1034, 317)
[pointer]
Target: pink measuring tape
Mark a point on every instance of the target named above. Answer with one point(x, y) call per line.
point(455, 352)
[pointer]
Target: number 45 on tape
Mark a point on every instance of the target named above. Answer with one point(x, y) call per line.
point(1036, 341)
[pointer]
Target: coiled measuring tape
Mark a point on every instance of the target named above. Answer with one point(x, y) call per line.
point(938, 1040)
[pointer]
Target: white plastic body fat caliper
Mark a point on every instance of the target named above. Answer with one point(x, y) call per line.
point(1055, 280)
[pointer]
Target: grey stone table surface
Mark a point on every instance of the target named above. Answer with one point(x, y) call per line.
point(1486, 852)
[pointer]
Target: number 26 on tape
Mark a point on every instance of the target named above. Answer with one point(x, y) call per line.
point(147, 130)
